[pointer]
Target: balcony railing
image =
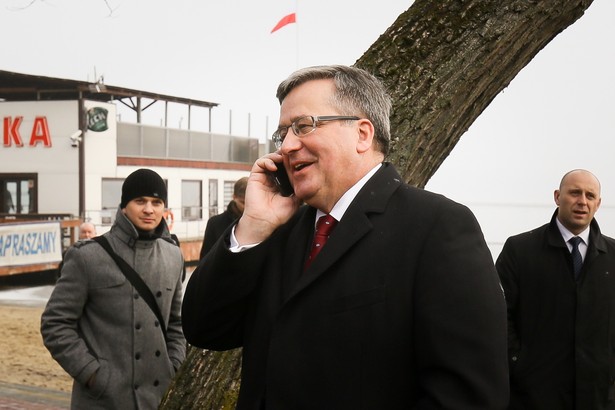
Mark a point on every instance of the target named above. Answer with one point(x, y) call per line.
point(138, 140)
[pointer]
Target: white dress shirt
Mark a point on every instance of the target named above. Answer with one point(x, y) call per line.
point(338, 211)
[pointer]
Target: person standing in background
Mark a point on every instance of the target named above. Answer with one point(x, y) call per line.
point(8, 205)
point(100, 328)
point(559, 284)
point(216, 225)
point(87, 230)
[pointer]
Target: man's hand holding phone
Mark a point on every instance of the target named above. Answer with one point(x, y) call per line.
point(266, 207)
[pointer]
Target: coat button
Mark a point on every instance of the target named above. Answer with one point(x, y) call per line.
point(137, 356)
point(138, 326)
point(157, 353)
point(156, 324)
point(136, 296)
point(156, 382)
point(159, 293)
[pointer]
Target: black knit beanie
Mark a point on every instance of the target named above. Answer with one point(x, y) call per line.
point(143, 182)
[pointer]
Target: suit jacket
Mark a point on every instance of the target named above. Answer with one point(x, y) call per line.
point(216, 225)
point(402, 308)
point(561, 332)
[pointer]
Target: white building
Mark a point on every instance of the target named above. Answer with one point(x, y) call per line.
point(66, 153)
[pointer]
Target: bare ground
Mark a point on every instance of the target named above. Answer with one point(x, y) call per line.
point(23, 357)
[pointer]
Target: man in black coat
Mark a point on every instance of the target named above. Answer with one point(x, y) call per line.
point(561, 325)
point(216, 225)
point(402, 307)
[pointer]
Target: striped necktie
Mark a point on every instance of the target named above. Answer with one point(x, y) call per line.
point(577, 260)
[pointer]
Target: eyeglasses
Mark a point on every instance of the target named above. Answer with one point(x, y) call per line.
point(304, 125)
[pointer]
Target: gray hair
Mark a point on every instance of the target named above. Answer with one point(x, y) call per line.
point(357, 92)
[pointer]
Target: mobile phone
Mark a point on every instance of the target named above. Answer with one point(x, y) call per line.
point(281, 180)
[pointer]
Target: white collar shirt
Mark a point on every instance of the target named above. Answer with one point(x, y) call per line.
point(340, 207)
point(566, 234)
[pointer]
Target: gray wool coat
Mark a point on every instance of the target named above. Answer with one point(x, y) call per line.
point(95, 321)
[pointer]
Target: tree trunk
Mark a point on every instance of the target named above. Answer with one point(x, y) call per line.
point(443, 62)
point(206, 380)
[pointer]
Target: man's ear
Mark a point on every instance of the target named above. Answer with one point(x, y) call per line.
point(365, 132)
point(556, 197)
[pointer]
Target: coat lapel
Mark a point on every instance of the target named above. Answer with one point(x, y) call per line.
point(355, 224)
point(298, 243)
point(597, 245)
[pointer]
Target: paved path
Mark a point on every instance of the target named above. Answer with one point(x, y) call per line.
point(19, 397)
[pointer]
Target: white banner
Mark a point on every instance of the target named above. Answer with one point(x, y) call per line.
point(30, 243)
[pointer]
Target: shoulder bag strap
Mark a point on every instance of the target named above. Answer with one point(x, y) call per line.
point(136, 281)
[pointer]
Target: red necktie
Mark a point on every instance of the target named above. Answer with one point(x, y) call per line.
point(324, 226)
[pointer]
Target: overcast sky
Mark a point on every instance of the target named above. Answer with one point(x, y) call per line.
point(556, 115)
point(218, 51)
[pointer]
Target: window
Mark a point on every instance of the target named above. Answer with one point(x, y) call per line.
point(111, 193)
point(213, 197)
point(111, 198)
point(191, 200)
point(229, 187)
point(18, 193)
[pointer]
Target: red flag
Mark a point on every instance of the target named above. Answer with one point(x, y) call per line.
point(291, 18)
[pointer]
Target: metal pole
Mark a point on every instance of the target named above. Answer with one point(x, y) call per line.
point(210, 119)
point(83, 127)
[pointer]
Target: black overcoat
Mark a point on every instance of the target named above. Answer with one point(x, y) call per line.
point(401, 309)
point(561, 332)
point(216, 225)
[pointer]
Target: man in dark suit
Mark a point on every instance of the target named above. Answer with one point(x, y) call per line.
point(216, 225)
point(402, 308)
point(560, 322)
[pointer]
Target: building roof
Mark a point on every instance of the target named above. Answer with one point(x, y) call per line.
point(24, 87)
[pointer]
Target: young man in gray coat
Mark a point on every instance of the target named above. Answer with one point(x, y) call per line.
point(99, 328)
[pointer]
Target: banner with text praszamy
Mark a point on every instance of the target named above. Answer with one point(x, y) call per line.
point(30, 243)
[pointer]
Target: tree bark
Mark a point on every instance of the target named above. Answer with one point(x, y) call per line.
point(206, 380)
point(443, 62)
